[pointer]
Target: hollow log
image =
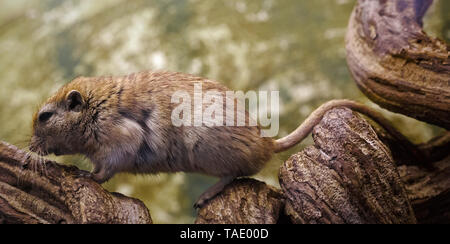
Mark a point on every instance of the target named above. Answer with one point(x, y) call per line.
point(244, 201)
point(348, 176)
point(42, 191)
point(395, 63)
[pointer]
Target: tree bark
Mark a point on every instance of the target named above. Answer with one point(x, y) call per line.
point(402, 69)
point(429, 191)
point(348, 176)
point(41, 191)
point(395, 63)
point(244, 201)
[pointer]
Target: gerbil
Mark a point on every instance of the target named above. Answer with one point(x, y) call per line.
point(123, 124)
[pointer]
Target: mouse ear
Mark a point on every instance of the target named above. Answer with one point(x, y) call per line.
point(74, 101)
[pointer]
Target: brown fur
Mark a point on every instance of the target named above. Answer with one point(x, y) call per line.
point(124, 125)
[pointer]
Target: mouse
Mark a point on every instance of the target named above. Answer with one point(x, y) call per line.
point(124, 124)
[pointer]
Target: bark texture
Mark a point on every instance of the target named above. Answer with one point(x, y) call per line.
point(348, 176)
point(395, 63)
point(42, 191)
point(244, 201)
point(429, 191)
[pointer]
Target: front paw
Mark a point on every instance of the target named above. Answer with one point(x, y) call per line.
point(201, 202)
point(84, 174)
point(99, 178)
point(199, 205)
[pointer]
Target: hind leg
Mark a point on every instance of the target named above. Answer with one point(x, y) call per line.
point(213, 191)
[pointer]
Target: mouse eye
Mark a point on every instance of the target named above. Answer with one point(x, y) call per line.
point(44, 116)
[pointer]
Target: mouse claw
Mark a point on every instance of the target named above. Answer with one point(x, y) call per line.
point(199, 204)
point(84, 174)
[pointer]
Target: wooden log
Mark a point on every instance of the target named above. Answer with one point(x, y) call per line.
point(244, 201)
point(42, 191)
point(348, 176)
point(395, 63)
point(429, 191)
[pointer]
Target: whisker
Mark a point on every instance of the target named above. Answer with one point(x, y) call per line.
point(44, 166)
point(35, 164)
point(40, 167)
point(22, 172)
point(28, 164)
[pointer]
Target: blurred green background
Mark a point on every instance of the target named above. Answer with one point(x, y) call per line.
point(296, 47)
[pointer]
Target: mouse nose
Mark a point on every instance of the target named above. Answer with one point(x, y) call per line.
point(45, 116)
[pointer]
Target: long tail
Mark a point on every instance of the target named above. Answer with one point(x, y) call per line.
point(306, 127)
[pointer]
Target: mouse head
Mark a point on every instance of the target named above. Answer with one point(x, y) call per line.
point(57, 124)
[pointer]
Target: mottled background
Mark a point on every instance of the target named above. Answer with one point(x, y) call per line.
point(296, 47)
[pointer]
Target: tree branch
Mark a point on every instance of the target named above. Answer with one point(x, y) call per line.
point(42, 191)
point(244, 201)
point(395, 63)
point(348, 176)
